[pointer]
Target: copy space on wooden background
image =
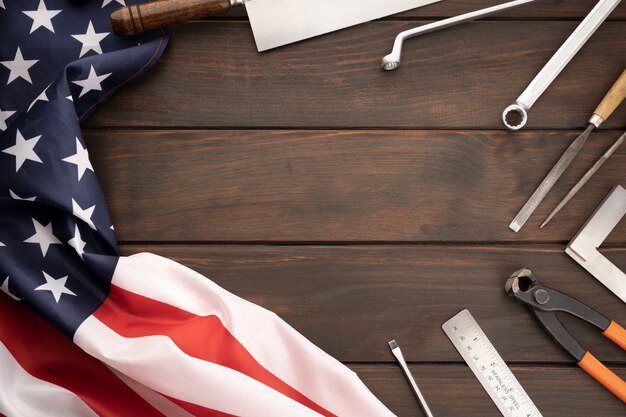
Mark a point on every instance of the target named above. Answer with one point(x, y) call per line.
point(364, 205)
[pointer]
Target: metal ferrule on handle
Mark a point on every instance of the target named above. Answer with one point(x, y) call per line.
point(555, 65)
point(392, 61)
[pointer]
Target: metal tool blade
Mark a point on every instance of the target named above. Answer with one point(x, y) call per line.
point(280, 22)
point(549, 181)
point(583, 180)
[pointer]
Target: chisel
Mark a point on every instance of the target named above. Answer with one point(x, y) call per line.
point(606, 107)
point(274, 22)
point(583, 180)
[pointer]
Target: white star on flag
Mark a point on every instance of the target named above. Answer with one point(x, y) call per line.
point(42, 17)
point(19, 67)
point(92, 82)
point(43, 237)
point(80, 159)
point(90, 40)
point(17, 197)
point(77, 242)
point(84, 215)
point(56, 286)
point(2, 4)
point(41, 97)
point(5, 288)
point(4, 115)
point(105, 2)
point(23, 150)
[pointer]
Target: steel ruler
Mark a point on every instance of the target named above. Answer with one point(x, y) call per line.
point(492, 372)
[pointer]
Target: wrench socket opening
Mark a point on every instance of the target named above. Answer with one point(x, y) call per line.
point(515, 116)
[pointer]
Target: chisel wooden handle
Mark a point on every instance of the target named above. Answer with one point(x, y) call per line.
point(135, 19)
point(613, 98)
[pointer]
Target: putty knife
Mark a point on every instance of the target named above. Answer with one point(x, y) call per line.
point(274, 22)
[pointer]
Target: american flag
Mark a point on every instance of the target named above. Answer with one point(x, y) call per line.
point(83, 330)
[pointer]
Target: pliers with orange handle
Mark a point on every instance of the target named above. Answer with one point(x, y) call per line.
point(544, 301)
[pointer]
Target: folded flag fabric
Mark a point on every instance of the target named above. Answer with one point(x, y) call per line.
point(150, 336)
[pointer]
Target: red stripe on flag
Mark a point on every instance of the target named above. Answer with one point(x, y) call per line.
point(203, 337)
point(48, 355)
point(197, 410)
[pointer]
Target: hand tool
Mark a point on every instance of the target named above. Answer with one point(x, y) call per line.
point(395, 349)
point(584, 247)
point(544, 301)
point(491, 371)
point(392, 61)
point(583, 180)
point(604, 110)
point(516, 115)
point(274, 22)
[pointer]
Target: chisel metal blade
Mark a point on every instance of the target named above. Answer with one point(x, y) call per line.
point(549, 181)
point(280, 22)
point(585, 178)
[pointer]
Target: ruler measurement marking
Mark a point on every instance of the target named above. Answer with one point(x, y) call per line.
point(488, 367)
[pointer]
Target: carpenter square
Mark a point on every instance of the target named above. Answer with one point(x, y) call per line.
point(584, 247)
point(274, 22)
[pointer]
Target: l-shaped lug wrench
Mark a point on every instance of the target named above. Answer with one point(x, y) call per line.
point(516, 115)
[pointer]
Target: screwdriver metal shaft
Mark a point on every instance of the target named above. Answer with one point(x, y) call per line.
point(395, 349)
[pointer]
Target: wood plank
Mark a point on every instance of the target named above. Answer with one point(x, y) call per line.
point(212, 76)
point(351, 300)
point(452, 391)
point(337, 186)
point(548, 9)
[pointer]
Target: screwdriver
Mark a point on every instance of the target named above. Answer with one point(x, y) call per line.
point(606, 107)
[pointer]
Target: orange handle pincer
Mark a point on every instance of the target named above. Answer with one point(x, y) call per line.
point(617, 334)
point(604, 375)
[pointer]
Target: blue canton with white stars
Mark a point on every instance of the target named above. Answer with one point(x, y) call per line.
point(58, 61)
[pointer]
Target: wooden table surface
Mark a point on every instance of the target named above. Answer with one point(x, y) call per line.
point(363, 205)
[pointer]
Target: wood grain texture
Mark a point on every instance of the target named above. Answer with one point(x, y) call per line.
point(351, 300)
point(546, 9)
point(310, 143)
point(212, 76)
point(452, 391)
point(338, 186)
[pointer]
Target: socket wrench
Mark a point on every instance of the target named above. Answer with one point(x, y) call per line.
point(516, 115)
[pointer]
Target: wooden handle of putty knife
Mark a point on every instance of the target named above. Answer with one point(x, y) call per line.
point(613, 98)
point(135, 19)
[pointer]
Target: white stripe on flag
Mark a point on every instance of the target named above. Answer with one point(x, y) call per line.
point(272, 342)
point(159, 364)
point(21, 394)
point(156, 400)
